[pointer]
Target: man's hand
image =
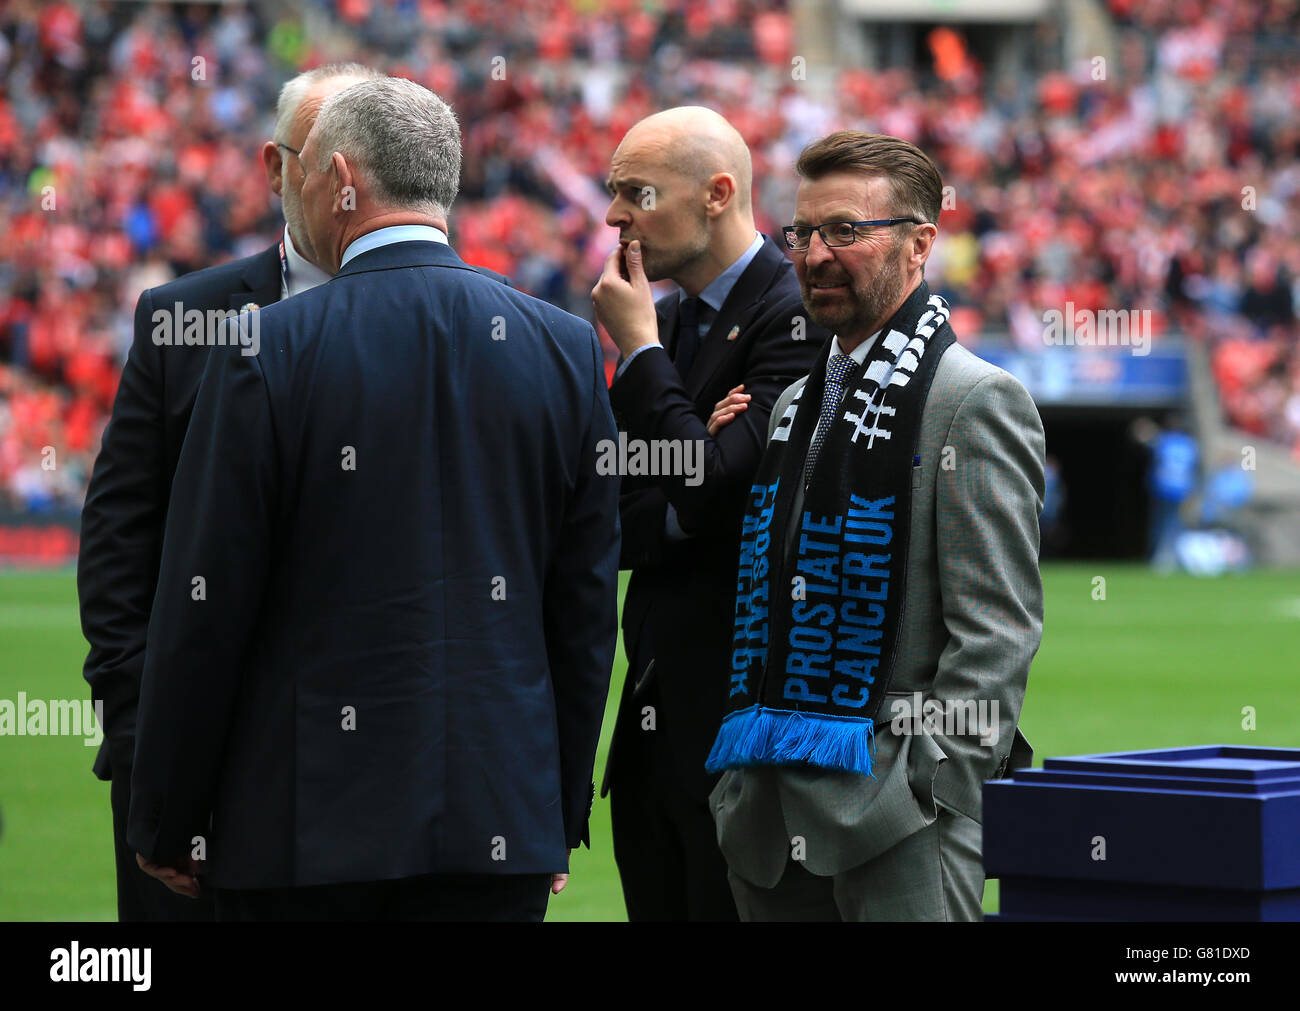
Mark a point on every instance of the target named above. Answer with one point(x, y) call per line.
point(558, 881)
point(625, 306)
point(727, 409)
point(181, 876)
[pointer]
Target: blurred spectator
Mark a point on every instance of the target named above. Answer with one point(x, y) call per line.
point(1174, 477)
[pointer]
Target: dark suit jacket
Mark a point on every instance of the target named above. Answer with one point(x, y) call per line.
point(126, 503)
point(400, 659)
point(680, 602)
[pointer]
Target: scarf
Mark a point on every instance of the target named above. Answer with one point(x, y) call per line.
point(817, 627)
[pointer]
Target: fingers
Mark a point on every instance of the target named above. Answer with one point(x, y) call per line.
point(183, 884)
point(727, 408)
point(558, 881)
point(179, 882)
point(635, 269)
point(610, 271)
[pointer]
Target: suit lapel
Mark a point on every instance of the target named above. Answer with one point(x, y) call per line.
point(742, 304)
point(260, 280)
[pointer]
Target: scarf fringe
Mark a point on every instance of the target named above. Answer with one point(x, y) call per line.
point(762, 736)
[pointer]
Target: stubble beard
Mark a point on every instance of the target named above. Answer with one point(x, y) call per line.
point(672, 263)
point(869, 306)
point(297, 222)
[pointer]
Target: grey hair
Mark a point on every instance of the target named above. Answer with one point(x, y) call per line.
point(295, 90)
point(402, 138)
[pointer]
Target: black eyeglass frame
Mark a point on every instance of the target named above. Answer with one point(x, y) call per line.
point(287, 147)
point(790, 231)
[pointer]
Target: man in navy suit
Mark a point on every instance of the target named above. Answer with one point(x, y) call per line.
point(126, 503)
point(382, 638)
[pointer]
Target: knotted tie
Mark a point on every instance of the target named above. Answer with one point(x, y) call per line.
point(688, 335)
point(837, 371)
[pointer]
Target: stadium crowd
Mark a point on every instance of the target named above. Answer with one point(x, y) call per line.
point(1165, 179)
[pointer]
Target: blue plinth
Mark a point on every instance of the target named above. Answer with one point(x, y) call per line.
point(1209, 833)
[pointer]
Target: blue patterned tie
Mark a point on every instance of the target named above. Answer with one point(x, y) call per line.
point(837, 371)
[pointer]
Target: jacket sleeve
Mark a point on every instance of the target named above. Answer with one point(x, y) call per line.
point(211, 583)
point(987, 508)
point(651, 398)
point(580, 611)
point(642, 513)
point(121, 539)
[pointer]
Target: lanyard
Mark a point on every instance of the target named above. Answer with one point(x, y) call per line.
point(284, 268)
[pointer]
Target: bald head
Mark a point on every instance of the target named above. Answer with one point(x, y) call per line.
point(697, 143)
point(680, 184)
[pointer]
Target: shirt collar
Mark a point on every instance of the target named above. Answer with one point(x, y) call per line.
point(387, 236)
point(859, 353)
point(717, 290)
point(303, 275)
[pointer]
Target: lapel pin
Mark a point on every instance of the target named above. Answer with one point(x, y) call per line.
point(249, 307)
point(733, 333)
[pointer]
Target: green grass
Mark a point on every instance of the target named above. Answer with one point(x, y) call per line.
point(1160, 662)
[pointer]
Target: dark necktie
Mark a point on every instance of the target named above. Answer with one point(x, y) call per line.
point(688, 335)
point(837, 372)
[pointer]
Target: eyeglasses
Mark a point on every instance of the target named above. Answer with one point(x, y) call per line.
point(287, 147)
point(837, 233)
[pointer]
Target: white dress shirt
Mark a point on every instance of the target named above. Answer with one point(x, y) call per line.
point(858, 354)
point(297, 273)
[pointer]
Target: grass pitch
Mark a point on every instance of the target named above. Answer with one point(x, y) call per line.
point(1161, 661)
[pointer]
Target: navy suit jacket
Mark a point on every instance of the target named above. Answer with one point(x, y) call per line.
point(386, 610)
point(126, 502)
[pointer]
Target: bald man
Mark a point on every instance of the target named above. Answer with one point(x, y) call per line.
point(680, 183)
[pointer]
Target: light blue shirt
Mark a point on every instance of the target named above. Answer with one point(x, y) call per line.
point(387, 236)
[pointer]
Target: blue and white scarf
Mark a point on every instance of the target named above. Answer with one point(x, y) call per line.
point(817, 626)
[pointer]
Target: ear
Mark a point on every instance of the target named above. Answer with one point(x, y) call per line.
point(274, 166)
point(923, 243)
point(345, 190)
point(722, 191)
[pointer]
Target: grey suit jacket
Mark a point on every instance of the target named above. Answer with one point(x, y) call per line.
point(973, 620)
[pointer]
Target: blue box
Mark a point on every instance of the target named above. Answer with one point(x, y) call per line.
point(1208, 833)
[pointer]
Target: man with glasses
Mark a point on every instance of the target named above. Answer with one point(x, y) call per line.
point(126, 503)
point(889, 602)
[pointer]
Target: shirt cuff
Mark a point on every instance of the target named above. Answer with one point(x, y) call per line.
point(628, 360)
point(672, 529)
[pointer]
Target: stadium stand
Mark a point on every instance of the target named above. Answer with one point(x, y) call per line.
point(129, 137)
